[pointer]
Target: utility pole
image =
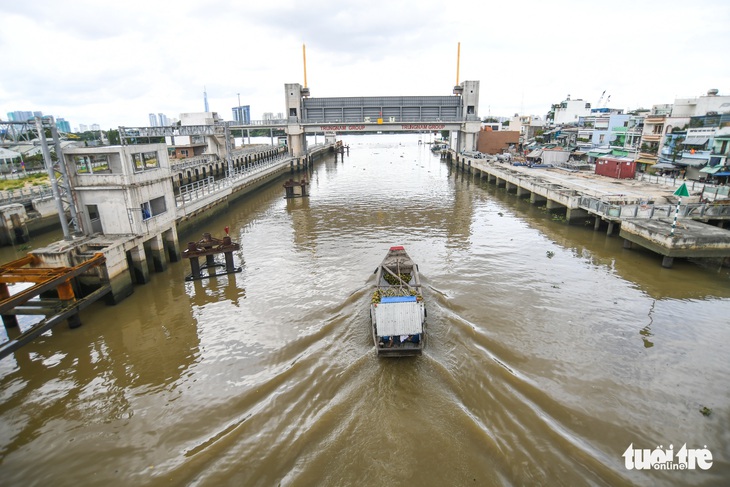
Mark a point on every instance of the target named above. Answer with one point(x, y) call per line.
point(52, 177)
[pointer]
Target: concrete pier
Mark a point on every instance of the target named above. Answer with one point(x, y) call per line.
point(13, 230)
point(576, 215)
point(138, 264)
point(553, 205)
point(171, 244)
point(157, 253)
point(690, 239)
point(620, 204)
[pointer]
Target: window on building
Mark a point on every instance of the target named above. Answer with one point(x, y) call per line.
point(93, 211)
point(153, 207)
point(92, 164)
point(601, 138)
point(158, 206)
point(146, 212)
point(145, 160)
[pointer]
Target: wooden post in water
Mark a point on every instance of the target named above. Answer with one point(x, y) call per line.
point(209, 247)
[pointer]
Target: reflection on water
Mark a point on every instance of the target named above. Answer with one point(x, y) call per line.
point(550, 349)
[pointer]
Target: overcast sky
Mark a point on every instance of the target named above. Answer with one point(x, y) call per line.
point(113, 63)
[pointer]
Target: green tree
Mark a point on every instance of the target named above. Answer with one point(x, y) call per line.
point(113, 137)
point(677, 147)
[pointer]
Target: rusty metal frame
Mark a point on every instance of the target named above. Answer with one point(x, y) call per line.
point(44, 278)
point(43, 326)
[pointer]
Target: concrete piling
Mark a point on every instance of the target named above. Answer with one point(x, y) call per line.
point(157, 252)
point(138, 264)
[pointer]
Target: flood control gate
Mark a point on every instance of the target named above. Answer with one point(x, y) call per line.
point(382, 109)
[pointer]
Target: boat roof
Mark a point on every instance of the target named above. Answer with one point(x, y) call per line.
point(398, 299)
point(398, 318)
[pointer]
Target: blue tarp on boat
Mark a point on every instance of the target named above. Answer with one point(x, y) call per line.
point(397, 299)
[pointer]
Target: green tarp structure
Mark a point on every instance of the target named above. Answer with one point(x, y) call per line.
point(711, 169)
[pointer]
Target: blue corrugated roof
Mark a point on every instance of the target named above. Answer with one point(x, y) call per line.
point(397, 299)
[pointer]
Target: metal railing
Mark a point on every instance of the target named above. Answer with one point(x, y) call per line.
point(24, 195)
point(211, 158)
point(672, 181)
point(204, 187)
point(386, 120)
point(690, 210)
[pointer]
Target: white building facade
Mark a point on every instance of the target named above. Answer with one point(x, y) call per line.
point(568, 112)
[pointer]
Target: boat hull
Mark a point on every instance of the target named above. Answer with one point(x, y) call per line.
point(397, 310)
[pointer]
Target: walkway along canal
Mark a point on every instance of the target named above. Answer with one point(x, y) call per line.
point(641, 220)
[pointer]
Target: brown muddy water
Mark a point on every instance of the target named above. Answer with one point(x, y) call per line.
point(550, 351)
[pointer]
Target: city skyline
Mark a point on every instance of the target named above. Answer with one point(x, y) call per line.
point(527, 56)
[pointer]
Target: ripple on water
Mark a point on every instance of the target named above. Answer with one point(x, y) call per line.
point(549, 350)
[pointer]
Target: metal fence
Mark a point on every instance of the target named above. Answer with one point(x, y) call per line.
point(24, 195)
point(199, 189)
point(708, 191)
point(672, 181)
point(691, 210)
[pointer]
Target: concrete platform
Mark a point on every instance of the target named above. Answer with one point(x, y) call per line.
point(690, 239)
point(605, 188)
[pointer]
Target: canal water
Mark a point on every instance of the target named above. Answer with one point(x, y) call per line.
point(551, 351)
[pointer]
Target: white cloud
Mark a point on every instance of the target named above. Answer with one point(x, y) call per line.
point(113, 63)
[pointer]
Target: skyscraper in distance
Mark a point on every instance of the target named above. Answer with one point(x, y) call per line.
point(242, 114)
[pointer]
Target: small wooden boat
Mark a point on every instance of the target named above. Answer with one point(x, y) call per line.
point(397, 310)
